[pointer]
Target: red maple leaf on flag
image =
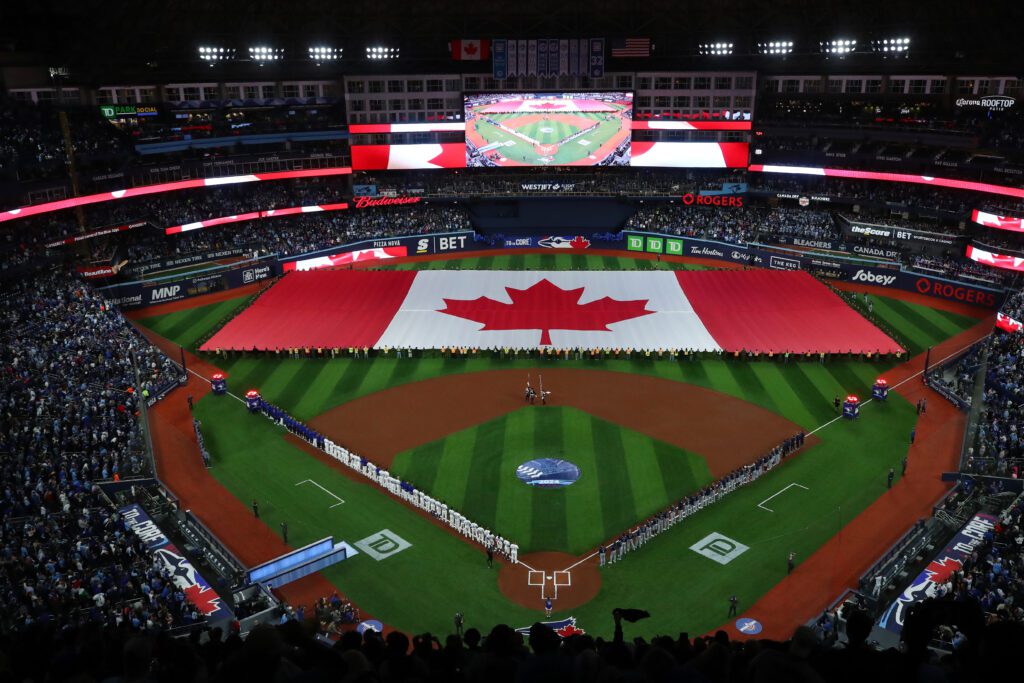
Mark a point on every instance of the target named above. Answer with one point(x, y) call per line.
point(579, 242)
point(545, 307)
point(548, 105)
point(470, 48)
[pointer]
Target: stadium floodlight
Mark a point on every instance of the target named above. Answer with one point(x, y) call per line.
point(839, 46)
point(209, 53)
point(323, 53)
point(775, 47)
point(892, 46)
point(382, 52)
point(262, 53)
point(715, 48)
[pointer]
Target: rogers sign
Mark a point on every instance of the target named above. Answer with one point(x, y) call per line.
point(712, 200)
point(368, 202)
point(946, 290)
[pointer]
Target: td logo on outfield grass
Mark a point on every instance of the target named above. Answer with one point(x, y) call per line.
point(719, 548)
point(383, 544)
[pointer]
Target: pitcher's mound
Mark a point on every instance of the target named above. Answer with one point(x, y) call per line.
point(575, 586)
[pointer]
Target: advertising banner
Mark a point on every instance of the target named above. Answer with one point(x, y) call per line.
point(129, 295)
point(413, 245)
point(99, 232)
point(185, 576)
point(878, 275)
point(939, 570)
point(895, 234)
point(546, 242)
point(161, 264)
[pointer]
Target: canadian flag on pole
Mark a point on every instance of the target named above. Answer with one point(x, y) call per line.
point(471, 48)
point(1008, 324)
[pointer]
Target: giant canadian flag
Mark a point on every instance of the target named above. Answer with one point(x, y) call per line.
point(708, 311)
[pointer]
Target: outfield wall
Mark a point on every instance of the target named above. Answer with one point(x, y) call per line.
point(829, 266)
point(128, 295)
point(838, 267)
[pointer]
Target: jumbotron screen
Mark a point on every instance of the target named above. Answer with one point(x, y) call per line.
point(548, 129)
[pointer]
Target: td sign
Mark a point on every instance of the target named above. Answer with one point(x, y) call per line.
point(655, 245)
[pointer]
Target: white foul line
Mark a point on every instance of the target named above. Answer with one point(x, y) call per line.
point(761, 504)
point(310, 481)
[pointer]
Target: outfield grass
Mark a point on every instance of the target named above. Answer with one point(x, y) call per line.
point(625, 477)
point(187, 327)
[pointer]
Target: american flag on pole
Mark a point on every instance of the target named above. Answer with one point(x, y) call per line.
point(631, 47)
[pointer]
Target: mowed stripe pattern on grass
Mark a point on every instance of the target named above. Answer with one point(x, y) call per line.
point(625, 476)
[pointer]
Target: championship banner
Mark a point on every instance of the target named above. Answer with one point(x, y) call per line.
point(499, 59)
point(521, 70)
point(991, 220)
point(938, 571)
point(1008, 324)
point(184, 576)
point(596, 58)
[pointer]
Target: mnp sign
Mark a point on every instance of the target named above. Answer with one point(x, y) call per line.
point(719, 548)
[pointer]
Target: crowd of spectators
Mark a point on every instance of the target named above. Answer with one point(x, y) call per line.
point(74, 376)
point(302, 233)
point(737, 225)
point(292, 650)
point(554, 180)
point(993, 574)
point(998, 449)
point(32, 143)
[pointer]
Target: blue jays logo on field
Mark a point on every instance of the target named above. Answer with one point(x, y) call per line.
point(548, 473)
point(370, 625)
point(939, 571)
point(563, 627)
point(191, 583)
point(748, 627)
point(559, 242)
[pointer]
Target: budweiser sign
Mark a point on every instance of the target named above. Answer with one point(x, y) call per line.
point(367, 202)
